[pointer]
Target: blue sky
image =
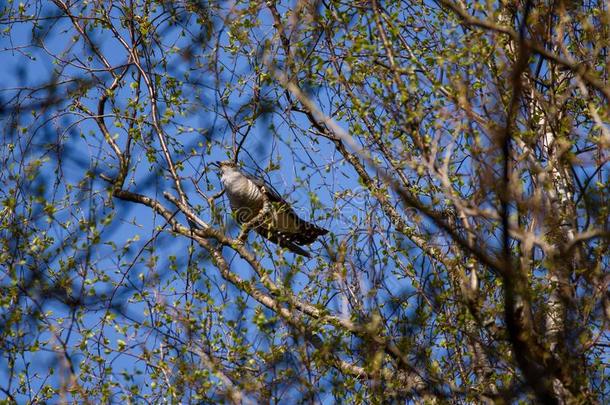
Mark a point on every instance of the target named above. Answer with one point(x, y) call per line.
point(32, 66)
point(304, 165)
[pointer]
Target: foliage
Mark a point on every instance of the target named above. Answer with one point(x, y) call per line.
point(456, 151)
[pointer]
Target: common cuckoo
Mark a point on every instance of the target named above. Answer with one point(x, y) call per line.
point(279, 224)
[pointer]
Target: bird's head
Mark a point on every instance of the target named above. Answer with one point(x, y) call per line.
point(224, 166)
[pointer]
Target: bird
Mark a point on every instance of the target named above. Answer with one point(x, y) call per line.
point(280, 225)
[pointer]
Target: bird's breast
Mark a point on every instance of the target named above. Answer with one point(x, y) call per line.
point(245, 198)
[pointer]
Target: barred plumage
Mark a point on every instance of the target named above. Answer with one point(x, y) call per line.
point(281, 225)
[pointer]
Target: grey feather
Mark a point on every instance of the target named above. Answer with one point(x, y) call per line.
point(282, 226)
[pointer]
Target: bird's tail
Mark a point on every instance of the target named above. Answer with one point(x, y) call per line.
point(294, 248)
point(309, 234)
point(290, 241)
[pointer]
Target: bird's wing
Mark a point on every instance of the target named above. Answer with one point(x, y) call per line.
point(267, 188)
point(293, 230)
